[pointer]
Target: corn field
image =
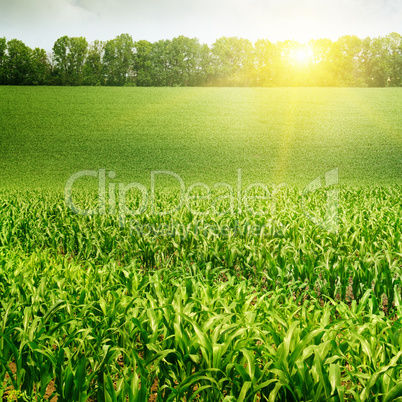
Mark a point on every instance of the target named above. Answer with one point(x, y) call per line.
point(257, 304)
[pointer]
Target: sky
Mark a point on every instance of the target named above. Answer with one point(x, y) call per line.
point(38, 23)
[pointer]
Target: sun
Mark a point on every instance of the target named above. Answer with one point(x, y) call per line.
point(301, 55)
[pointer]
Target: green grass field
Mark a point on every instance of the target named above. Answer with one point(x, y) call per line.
point(285, 293)
point(202, 134)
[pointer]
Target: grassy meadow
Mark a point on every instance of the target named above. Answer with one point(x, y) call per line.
point(282, 135)
point(286, 291)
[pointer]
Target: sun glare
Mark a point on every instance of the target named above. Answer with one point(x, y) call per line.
point(301, 55)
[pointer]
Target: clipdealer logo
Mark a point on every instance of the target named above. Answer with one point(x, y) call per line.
point(113, 198)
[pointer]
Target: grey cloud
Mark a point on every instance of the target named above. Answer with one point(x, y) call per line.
point(41, 22)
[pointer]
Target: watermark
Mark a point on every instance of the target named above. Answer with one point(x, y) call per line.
point(330, 220)
point(235, 199)
point(129, 202)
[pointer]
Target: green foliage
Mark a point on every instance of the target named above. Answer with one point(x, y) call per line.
point(142, 63)
point(3, 58)
point(40, 70)
point(118, 59)
point(184, 59)
point(233, 59)
point(267, 56)
point(232, 298)
point(230, 61)
point(295, 314)
point(394, 42)
point(93, 73)
point(17, 62)
point(69, 57)
point(20, 65)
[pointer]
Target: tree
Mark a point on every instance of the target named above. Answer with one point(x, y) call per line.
point(93, 73)
point(184, 60)
point(40, 67)
point(69, 57)
point(347, 67)
point(267, 60)
point(322, 69)
point(3, 61)
point(118, 59)
point(160, 63)
point(234, 61)
point(142, 63)
point(376, 62)
point(394, 44)
point(205, 71)
point(18, 63)
point(288, 71)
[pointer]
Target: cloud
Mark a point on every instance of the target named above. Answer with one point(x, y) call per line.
point(41, 22)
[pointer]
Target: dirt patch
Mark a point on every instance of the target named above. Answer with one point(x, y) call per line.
point(9, 390)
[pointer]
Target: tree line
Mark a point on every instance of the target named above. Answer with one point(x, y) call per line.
point(183, 61)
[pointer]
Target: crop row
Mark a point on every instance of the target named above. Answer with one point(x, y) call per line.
point(264, 302)
point(109, 333)
point(279, 239)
